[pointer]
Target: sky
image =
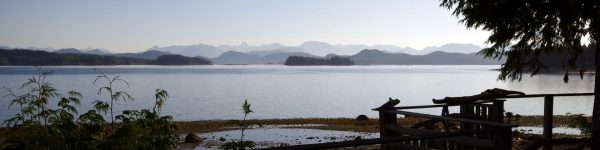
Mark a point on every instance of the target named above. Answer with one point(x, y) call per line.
point(136, 25)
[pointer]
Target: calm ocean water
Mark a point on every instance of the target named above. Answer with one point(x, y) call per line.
point(217, 91)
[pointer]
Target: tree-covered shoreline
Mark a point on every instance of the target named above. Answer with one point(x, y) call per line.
point(313, 61)
point(24, 57)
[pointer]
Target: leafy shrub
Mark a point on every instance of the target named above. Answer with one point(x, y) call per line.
point(37, 126)
point(114, 95)
point(145, 129)
point(581, 122)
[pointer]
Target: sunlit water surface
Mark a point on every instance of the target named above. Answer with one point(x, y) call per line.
point(217, 91)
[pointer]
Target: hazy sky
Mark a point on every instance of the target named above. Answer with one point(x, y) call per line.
point(136, 25)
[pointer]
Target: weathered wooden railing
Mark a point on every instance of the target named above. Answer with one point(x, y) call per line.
point(480, 111)
point(476, 116)
point(481, 126)
point(548, 114)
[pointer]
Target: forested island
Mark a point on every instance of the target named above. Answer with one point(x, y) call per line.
point(314, 61)
point(23, 57)
point(180, 60)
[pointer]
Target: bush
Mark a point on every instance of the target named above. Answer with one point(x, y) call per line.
point(37, 126)
point(581, 122)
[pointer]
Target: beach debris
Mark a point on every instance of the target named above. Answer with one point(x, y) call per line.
point(222, 139)
point(362, 117)
point(192, 138)
point(358, 138)
point(361, 120)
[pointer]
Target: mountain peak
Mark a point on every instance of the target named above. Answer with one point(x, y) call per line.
point(371, 51)
point(452, 48)
point(97, 52)
point(68, 51)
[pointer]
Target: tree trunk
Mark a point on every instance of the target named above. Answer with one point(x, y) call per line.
point(596, 111)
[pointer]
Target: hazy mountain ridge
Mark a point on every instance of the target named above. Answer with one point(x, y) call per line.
point(191, 50)
point(312, 47)
point(277, 53)
point(244, 47)
point(235, 57)
point(364, 57)
point(452, 48)
point(378, 57)
point(97, 51)
point(68, 51)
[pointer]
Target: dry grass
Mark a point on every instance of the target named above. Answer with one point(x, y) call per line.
point(558, 120)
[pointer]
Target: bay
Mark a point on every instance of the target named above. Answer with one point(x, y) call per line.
point(275, 91)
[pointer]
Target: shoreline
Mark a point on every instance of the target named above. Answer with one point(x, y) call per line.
point(345, 124)
point(369, 126)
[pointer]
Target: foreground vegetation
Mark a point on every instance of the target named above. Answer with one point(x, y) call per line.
point(39, 125)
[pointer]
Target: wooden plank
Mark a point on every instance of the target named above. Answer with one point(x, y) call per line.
point(495, 124)
point(496, 112)
point(387, 119)
point(435, 105)
point(544, 95)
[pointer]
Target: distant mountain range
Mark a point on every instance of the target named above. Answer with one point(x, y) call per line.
point(311, 47)
point(277, 53)
point(370, 57)
point(364, 57)
point(191, 50)
point(235, 57)
point(449, 54)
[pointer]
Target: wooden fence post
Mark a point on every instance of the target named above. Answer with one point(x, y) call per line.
point(386, 119)
point(548, 116)
point(503, 138)
point(498, 114)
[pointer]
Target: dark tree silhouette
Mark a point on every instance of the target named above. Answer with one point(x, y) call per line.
point(524, 30)
point(43, 58)
point(313, 61)
point(180, 60)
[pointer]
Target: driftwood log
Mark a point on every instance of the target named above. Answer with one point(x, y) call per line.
point(485, 95)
